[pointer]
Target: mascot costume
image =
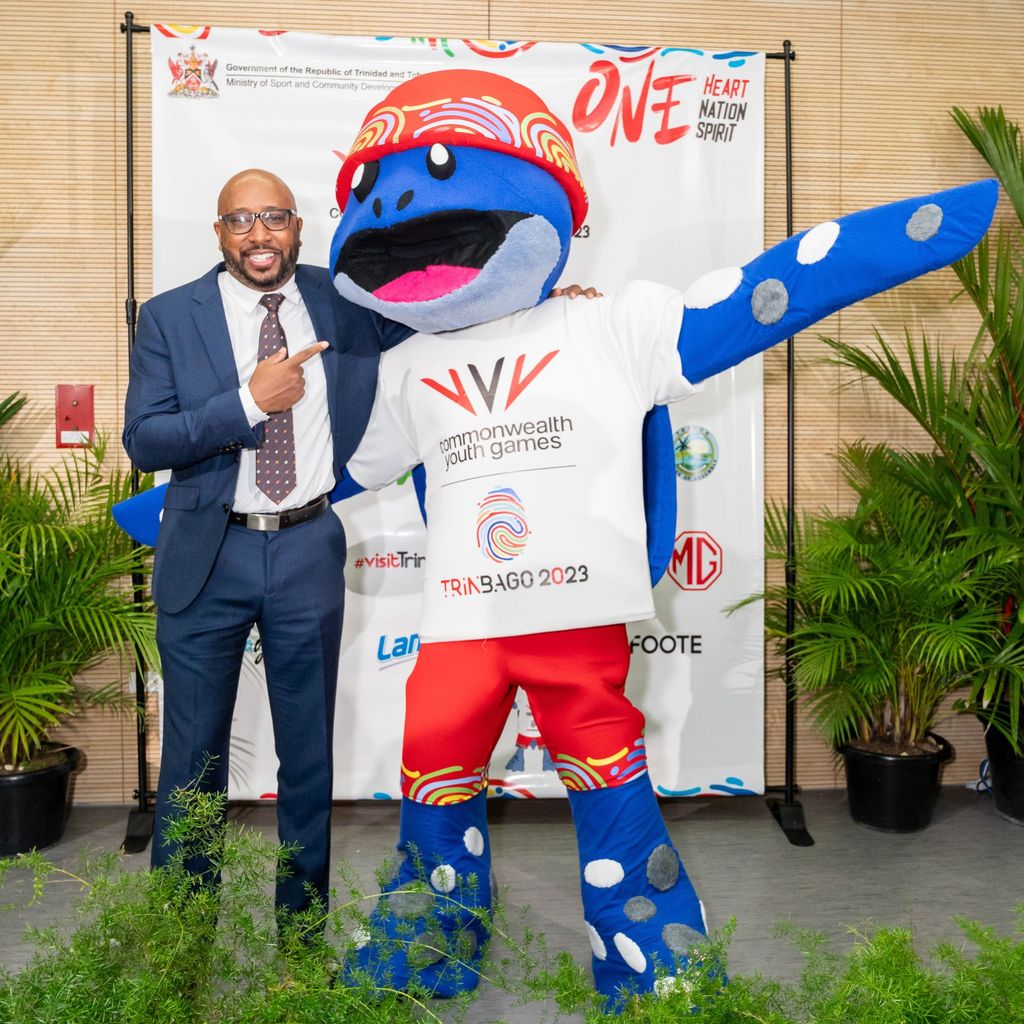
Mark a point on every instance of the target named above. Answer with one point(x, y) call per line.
point(459, 198)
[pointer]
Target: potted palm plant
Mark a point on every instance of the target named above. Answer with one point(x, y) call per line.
point(894, 612)
point(68, 602)
point(973, 411)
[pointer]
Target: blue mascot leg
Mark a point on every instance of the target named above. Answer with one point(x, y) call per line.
point(431, 924)
point(642, 913)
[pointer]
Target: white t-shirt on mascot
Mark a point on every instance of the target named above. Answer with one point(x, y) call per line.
point(518, 422)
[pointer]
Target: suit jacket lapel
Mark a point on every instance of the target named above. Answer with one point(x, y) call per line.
point(212, 325)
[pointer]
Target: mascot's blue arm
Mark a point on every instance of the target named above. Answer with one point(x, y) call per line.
point(659, 469)
point(733, 313)
point(139, 516)
point(346, 487)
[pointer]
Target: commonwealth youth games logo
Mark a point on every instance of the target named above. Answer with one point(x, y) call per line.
point(501, 528)
point(696, 452)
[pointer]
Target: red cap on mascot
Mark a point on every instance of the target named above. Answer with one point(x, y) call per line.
point(468, 108)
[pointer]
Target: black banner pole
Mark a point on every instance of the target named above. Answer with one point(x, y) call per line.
point(788, 811)
point(140, 821)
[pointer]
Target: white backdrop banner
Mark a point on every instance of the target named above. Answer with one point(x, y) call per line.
point(671, 146)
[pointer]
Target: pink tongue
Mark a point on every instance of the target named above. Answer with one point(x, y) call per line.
point(422, 285)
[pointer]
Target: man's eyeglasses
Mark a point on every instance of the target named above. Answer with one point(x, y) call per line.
point(241, 223)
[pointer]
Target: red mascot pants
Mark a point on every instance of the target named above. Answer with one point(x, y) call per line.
point(459, 695)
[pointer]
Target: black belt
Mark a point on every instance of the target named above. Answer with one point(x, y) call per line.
point(281, 520)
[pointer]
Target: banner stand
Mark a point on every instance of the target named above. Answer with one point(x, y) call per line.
point(787, 811)
point(140, 821)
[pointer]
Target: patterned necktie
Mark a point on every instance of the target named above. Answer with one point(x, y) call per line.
point(275, 458)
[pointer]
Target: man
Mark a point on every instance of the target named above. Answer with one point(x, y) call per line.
point(231, 389)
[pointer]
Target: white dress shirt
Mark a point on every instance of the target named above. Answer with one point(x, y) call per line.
point(314, 456)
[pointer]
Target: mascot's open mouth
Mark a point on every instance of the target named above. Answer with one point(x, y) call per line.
point(426, 257)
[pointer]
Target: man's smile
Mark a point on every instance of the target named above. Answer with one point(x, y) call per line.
point(262, 259)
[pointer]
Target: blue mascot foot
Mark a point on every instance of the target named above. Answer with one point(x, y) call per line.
point(431, 924)
point(642, 914)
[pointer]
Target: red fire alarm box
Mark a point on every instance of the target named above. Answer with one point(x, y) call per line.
point(75, 417)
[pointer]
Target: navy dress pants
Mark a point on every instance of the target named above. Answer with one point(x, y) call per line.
point(290, 584)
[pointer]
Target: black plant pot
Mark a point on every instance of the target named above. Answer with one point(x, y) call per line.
point(34, 806)
point(1007, 770)
point(893, 793)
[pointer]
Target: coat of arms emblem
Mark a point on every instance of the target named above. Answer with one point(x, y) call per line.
point(193, 75)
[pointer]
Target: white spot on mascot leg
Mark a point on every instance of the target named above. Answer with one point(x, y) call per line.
point(474, 841)
point(596, 942)
point(630, 952)
point(443, 877)
point(603, 874)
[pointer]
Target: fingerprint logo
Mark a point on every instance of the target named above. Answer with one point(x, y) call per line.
point(501, 529)
point(547, 143)
point(385, 127)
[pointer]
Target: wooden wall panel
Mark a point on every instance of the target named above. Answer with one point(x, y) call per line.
point(873, 83)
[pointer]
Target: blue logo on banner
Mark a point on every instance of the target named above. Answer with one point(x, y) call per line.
point(397, 648)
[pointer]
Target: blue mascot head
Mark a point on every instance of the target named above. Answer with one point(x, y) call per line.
point(459, 197)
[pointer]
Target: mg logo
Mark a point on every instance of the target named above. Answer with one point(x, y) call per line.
point(696, 560)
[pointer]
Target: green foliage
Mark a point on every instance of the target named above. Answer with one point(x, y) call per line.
point(153, 947)
point(10, 405)
point(156, 947)
point(974, 414)
point(883, 980)
point(999, 142)
point(66, 586)
point(895, 608)
point(879, 979)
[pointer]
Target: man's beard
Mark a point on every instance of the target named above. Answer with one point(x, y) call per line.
point(289, 258)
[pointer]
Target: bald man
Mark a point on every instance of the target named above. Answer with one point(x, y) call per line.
point(253, 384)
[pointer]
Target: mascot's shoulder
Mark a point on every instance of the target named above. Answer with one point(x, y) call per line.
point(636, 291)
point(645, 291)
point(630, 299)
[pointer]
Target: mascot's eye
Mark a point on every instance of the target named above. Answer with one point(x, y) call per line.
point(440, 161)
point(364, 179)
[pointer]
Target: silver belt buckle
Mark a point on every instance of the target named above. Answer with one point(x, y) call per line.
point(263, 520)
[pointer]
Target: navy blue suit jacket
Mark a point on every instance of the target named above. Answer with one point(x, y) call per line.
point(182, 411)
